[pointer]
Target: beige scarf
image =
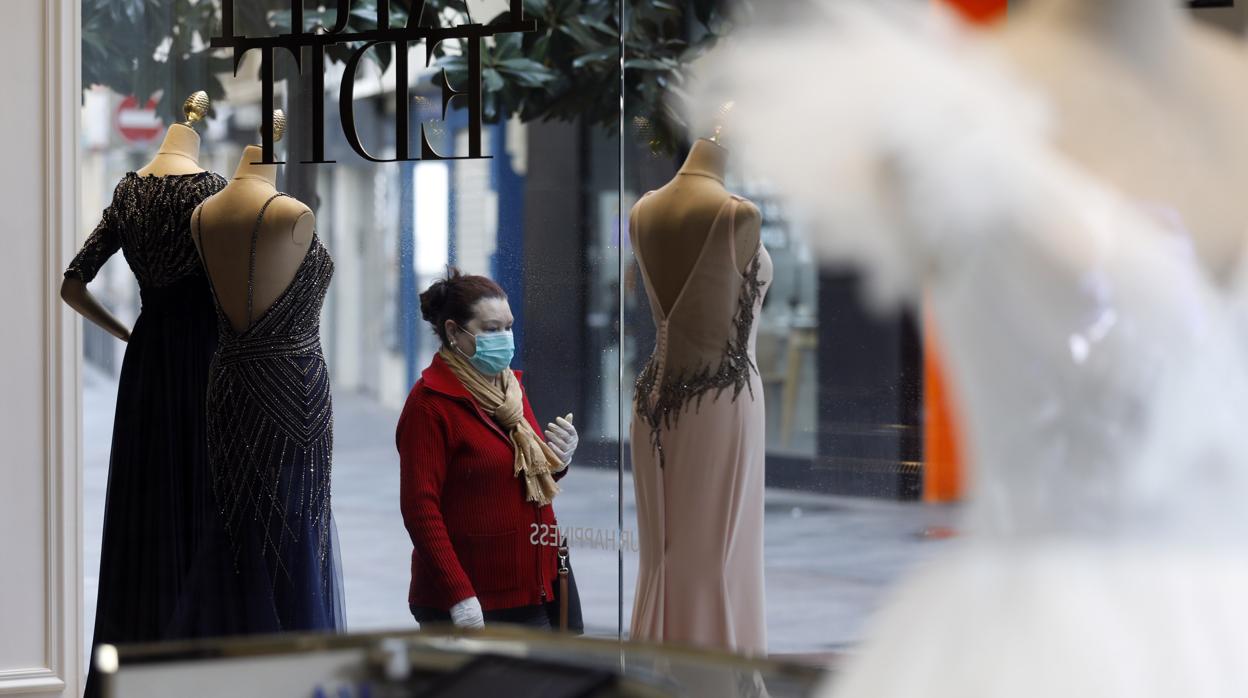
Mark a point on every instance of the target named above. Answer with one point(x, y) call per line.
point(534, 459)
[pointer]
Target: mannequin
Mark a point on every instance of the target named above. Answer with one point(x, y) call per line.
point(268, 554)
point(698, 405)
point(1182, 86)
point(158, 457)
point(679, 214)
point(178, 155)
point(284, 238)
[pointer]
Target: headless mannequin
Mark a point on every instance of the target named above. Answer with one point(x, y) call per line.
point(1151, 101)
point(221, 228)
point(678, 218)
point(178, 155)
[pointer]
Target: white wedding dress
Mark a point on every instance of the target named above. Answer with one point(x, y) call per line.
point(1101, 371)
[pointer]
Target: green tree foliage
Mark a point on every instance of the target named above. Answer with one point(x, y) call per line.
point(568, 69)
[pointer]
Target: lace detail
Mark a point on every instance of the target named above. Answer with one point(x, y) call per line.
point(660, 403)
point(149, 221)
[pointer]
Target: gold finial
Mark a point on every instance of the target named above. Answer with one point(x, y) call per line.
point(195, 108)
point(721, 116)
point(279, 125)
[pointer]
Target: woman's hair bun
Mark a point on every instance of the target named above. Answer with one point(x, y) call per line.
point(432, 301)
point(453, 298)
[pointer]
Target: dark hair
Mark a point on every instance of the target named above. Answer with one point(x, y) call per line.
point(453, 298)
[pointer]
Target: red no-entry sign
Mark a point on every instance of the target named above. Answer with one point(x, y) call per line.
point(138, 125)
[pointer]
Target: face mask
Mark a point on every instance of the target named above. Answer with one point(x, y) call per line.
point(495, 351)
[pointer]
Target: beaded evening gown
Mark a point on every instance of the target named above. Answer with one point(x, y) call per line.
point(698, 436)
point(159, 451)
point(271, 565)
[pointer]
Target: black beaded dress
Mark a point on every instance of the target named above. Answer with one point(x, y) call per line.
point(158, 462)
point(272, 563)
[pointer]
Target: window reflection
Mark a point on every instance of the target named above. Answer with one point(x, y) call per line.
point(545, 218)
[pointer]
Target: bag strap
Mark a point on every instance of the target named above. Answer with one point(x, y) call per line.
point(563, 584)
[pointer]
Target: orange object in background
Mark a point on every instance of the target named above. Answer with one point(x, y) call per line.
point(943, 469)
point(981, 11)
point(943, 476)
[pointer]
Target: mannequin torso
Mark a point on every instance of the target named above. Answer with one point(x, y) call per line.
point(678, 217)
point(222, 228)
point(178, 155)
point(1150, 101)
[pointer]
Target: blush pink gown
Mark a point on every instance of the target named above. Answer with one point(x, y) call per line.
point(698, 448)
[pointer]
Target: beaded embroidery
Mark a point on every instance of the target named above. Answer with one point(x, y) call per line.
point(149, 221)
point(676, 392)
point(270, 417)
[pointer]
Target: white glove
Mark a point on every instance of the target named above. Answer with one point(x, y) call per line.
point(467, 614)
point(562, 439)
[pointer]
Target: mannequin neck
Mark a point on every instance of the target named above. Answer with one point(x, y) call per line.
point(706, 159)
point(181, 140)
point(247, 169)
point(1144, 32)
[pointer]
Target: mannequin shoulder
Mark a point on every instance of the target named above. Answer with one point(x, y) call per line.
point(747, 215)
point(196, 220)
point(748, 224)
point(641, 203)
point(294, 217)
point(289, 208)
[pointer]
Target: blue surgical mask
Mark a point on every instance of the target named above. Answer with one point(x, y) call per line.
point(495, 350)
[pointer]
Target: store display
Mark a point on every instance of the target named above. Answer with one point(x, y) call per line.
point(698, 427)
point(272, 564)
point(1095, 339)
point(990, 279)
point(158, 449)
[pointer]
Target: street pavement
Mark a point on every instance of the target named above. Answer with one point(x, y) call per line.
point(830, 560)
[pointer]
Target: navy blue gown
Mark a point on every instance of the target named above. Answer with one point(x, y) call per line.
point(157, 472)
point(270, 562)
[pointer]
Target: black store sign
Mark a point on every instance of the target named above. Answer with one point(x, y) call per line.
point(295, 41)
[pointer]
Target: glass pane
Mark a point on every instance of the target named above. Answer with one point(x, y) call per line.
point(539, 215)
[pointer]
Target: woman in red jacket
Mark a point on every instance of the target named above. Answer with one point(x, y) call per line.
point(477, 477)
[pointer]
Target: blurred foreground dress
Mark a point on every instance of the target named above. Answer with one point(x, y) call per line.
point(1102, 371)
point(157, 470)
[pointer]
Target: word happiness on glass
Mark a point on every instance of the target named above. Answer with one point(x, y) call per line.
point(384, 34)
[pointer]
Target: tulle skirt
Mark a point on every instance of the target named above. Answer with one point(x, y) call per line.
point(239, 588)
point(268, 561)
point(1063, 619)
point(157, 468)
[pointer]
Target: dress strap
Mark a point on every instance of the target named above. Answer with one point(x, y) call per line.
point(732, 232)
point(251, 262)
point(732, 229)
point(198, 231)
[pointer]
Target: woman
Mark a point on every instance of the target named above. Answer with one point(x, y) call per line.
point(477, 478)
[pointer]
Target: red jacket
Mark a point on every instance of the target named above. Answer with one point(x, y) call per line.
point(473, 533)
